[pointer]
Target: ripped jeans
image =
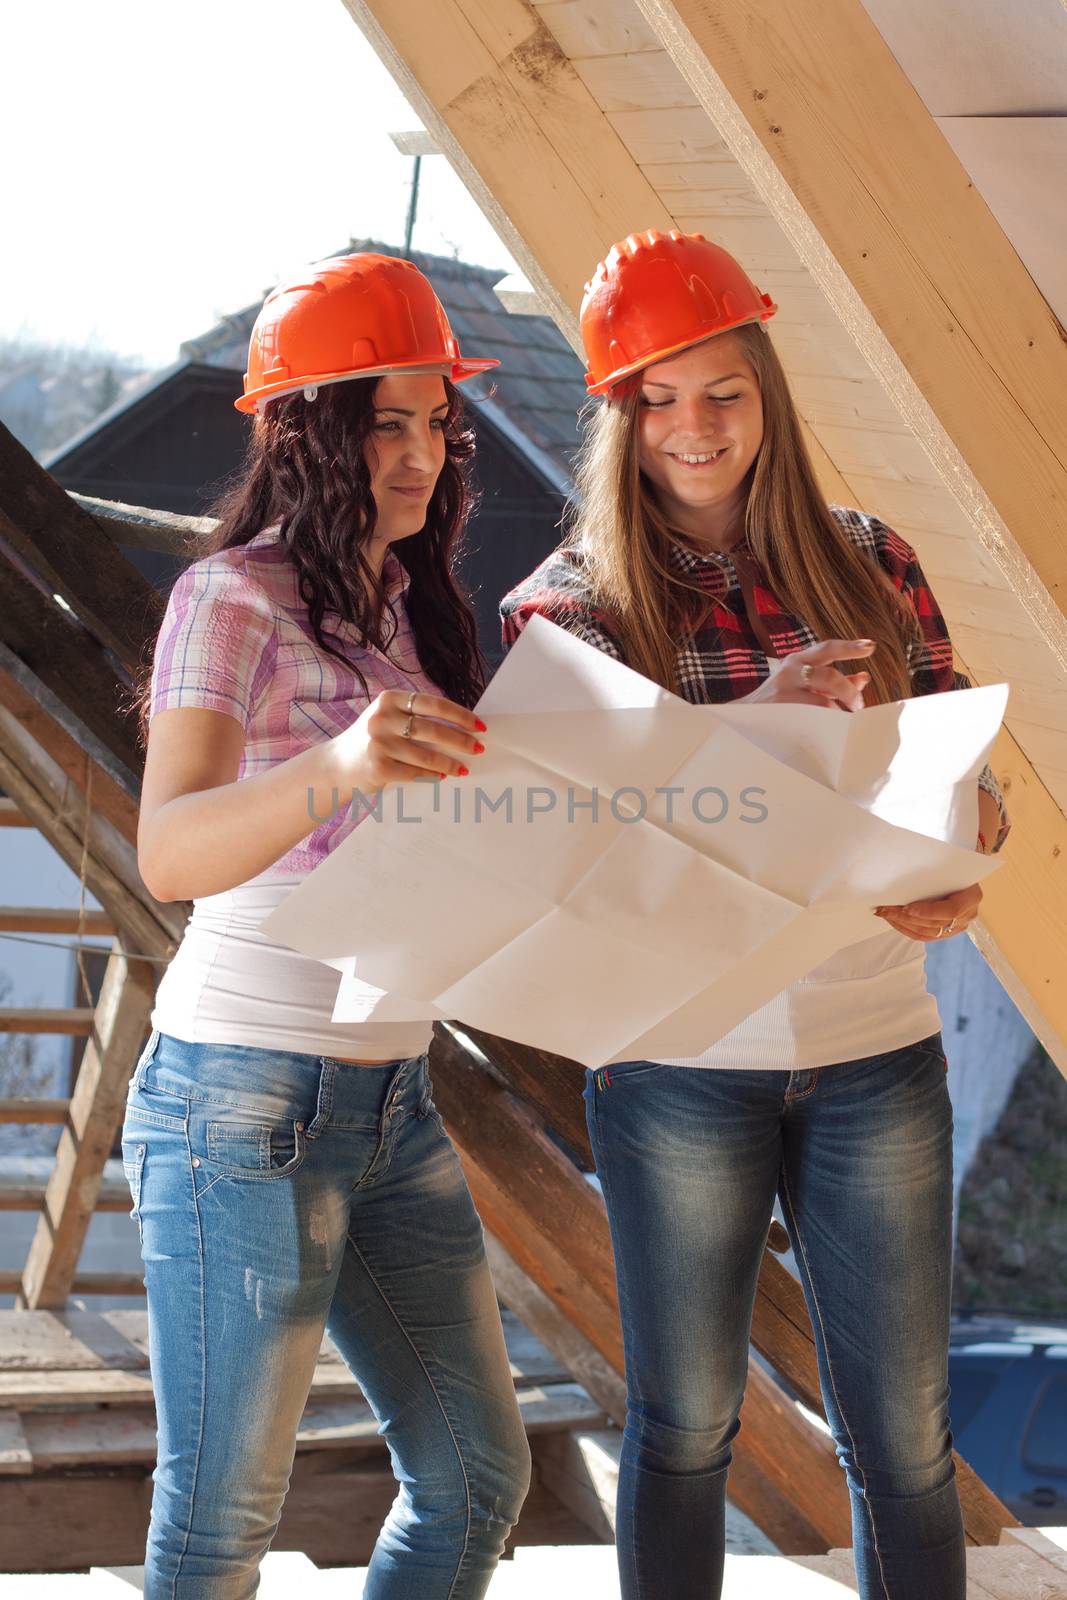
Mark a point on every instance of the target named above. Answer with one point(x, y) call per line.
point(860, 1154)
point(278, 1195)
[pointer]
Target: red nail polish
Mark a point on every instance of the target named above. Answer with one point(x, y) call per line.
point(463, 772)
point(480, 725)
point(479, 749)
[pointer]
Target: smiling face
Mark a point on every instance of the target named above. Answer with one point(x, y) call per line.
point(404, 452)
point(700, 426)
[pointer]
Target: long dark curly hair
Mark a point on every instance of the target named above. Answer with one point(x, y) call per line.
point(305, 470)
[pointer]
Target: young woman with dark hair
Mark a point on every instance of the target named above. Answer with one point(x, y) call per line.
point(703, 555)
point(290, 1174)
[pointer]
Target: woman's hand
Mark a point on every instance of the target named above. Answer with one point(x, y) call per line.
point(934, 919)
point(808, 677)
point(390, 744)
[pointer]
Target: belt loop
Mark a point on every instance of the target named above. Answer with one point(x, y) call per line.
point(145, 1059)
point(324, 1102)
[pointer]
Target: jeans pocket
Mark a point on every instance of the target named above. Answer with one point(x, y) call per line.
point(133, 1154)
point(250, 1150)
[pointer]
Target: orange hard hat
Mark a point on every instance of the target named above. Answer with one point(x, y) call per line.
point(657, 293)
point(354, 316)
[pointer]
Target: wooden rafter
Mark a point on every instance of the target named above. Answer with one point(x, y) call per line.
point(49, 535)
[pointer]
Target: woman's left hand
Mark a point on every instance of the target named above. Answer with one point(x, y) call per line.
point(934, 919)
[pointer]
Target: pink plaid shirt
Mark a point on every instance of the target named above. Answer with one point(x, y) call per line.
point(236, 638)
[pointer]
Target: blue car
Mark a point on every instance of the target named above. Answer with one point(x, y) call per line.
point(1009, 1413)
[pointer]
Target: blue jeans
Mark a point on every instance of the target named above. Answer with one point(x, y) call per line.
point(860, 1155)
point(277, 1195)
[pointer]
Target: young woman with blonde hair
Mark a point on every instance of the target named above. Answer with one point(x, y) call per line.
point(290, 1174)
point(703, 555)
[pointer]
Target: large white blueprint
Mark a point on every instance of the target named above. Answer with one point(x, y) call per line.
point(732, 849)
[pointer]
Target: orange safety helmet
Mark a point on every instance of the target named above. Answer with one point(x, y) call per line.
point(657, 293)
point(356, 316)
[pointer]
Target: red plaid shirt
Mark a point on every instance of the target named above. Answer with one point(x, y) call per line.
point(725, 659)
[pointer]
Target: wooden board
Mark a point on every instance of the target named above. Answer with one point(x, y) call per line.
point(107, 1437)
point(65, 1341)
point(16, 1457)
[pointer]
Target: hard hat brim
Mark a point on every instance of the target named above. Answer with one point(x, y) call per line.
point(456, 371)
point(622, 373)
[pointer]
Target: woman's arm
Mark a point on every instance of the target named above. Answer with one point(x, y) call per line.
point(200, 831)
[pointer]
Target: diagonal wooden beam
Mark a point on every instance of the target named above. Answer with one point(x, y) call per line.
point(53, 645)
point(121, 1020)
point(72, 556)
point(166, 532)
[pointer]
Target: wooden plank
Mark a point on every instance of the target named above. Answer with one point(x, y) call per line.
point(16, 1457)
point(24, 1185)
point(72, 557)
point(588, 28)
point(147, 529)
point(76, 1021)
point(65, 1341)
point(44, 716)
point(110, 1437)
point(66, 1521)
point(57, 919)
point(583, 1469)
point(85, 1283)
point(122, 1013)
point(1038, 1542)
point(770, 1506)
point(11, 816)
point(522, 1296)
point(34, 1374)
point(58, 650)
point(30, 1109)
point(645, 81)
point(1013, 1573)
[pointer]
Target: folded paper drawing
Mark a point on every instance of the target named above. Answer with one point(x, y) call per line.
point(628, 875)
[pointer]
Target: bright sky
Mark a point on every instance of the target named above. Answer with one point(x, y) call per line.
point(169, 163)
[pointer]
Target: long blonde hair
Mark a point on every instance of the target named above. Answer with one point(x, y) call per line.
point(815, 572)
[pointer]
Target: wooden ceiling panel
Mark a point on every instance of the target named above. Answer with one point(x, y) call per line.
point(979, 57)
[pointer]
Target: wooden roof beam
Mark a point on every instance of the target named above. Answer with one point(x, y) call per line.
point(71, 556)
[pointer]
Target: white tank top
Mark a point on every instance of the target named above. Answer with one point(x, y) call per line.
point(228, 984)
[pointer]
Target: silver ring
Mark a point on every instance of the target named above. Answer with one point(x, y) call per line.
point(406, 734)
point(806, 671)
